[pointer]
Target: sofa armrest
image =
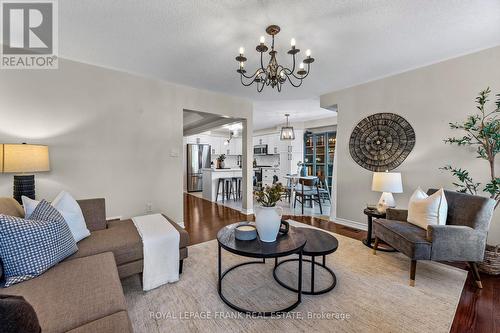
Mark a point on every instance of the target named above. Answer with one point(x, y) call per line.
point(456, 243)
point(94, 212)
point(397, 214)
point(184, 236)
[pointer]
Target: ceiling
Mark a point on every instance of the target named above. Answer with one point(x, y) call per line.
point(194, 42)
point(196, 122)
point(269, 114)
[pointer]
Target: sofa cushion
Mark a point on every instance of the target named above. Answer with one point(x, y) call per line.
point(17, 315)
point(123, 241)
point(9, 206)
point(31, 246)
point(74, 293)
point(117, 322)
point(404, 237)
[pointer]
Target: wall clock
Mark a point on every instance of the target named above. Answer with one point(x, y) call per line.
point(381, 141)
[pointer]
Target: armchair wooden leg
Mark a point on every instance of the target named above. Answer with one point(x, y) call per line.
point(413, 269)
point(475, 274)
point(375, 246)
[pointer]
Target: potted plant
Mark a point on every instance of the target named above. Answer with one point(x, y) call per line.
point(220, 161)
point(267, 218)
point(482, 131)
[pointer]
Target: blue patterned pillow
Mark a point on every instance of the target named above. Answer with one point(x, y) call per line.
point(31, 246)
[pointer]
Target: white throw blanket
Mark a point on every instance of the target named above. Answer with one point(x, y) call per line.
point(160, 242)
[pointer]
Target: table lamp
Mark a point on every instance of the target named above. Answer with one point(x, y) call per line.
point(24, 160)
point(387, 183)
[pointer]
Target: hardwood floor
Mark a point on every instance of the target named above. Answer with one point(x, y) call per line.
point(478, 310)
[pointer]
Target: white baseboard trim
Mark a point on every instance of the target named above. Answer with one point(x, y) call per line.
point(247, 211)
point(352, 224)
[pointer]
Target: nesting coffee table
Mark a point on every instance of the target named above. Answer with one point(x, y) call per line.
point(300, 241)
point(318, 244)
point(285, 245)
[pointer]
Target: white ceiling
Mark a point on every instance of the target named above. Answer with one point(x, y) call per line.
point(268, 114)
point(194, 42)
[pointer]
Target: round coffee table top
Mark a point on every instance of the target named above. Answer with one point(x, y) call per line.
point(319, 242)
point(284, 245)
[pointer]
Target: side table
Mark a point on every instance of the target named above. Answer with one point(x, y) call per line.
point(373, 213)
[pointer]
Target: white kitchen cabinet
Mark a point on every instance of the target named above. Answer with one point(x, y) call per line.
point(234, 147)
point(238, 143)
point(218, 145)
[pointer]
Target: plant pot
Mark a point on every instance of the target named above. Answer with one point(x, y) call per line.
point(268, 221)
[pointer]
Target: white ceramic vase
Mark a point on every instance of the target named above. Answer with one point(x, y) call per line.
point(268, 222)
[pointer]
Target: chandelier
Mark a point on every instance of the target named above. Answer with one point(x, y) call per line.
point(274, 74)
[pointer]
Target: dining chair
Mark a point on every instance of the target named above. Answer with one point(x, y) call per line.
point(308, 190)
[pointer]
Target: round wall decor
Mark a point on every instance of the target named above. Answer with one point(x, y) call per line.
point(381, 141)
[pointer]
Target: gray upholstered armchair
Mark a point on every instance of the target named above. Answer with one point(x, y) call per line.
point(463, 238)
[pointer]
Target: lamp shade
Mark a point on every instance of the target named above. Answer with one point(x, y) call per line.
point(25, 158)
point(1, 157)
point(387, 182)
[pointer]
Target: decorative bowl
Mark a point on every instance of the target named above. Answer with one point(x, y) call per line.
point(245, 231)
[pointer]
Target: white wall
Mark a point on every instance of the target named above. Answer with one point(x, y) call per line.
point(110, 134)
point(429, 98)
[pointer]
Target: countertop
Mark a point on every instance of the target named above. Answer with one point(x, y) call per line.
point(221, 170)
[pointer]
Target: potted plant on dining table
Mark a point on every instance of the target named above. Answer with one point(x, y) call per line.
point(267, 218)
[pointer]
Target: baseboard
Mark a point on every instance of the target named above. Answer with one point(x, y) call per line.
point(246, 211)
point(352, 224)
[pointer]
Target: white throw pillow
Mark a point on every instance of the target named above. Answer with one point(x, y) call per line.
point(72, 213)
point(69, 209)
point(424, 209)
point(29, 206)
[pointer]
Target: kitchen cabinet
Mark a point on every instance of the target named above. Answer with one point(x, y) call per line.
point(234, 147)
point(290, 152)
point(217, 144)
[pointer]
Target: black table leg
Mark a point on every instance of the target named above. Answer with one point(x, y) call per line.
point(219, 266)
point(369, 232)
point(313, 262)
point(254, 312)
point(299, 297)
point(312, 273)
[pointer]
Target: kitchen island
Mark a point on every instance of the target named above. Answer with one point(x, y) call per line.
point(211, 179)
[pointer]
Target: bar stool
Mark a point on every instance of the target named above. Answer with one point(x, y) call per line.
point(227, 188)
point(237, 183)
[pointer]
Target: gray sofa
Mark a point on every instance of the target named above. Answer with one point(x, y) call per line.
point(83, 293)
point(463, 238)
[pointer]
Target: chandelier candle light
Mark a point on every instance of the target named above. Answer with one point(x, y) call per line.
point(274, 74)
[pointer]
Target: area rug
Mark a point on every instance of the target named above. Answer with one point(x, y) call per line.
point(371, 295)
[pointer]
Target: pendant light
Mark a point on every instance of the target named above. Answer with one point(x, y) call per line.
point(287, 132)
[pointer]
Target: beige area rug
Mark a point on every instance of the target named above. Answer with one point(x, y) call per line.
point(372, 295)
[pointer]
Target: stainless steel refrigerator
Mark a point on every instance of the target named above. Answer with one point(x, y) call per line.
point(198, 157)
